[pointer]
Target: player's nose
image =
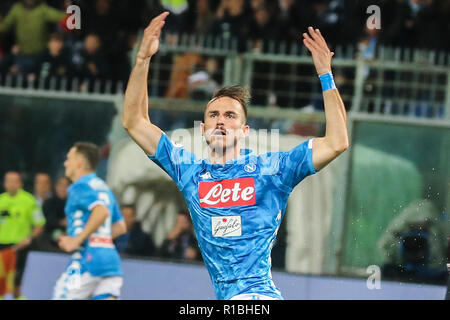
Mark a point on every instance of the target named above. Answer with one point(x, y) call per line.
point(220, 119)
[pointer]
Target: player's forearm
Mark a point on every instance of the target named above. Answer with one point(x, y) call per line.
point(136, 95)
point(336, 121)
point(97, 218)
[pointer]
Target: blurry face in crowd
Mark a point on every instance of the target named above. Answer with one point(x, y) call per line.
point(42, 184)
point(92, 43)
point(262, 16)
point(285, 4)
point(55, 46)
point(202, 6)
point(211, 65)
point(129, 216)
point(224, 124)
point(255, 4)
point(182, 222)
point(102, 6)
point(235, 7)
point(61, 187)
point(12, 183)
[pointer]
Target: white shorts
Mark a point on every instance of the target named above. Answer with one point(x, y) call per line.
point(86, 286)
point(252, 296)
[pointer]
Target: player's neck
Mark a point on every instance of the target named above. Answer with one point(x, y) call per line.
point(222, 156)
point(80, 173)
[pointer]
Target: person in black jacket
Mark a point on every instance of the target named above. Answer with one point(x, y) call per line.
point(53, 209)
point(135, 242)
point(91, 61)
point(56, 60)
point(181, 243)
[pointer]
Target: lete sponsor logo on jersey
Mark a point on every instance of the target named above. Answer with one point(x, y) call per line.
point(227, 193)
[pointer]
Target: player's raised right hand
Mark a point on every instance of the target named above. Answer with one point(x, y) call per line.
point(150, 40)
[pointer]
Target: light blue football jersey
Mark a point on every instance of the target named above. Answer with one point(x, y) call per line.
point(97, 255)
point(236, 210)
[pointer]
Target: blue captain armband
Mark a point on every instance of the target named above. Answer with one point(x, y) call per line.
point(327, 81)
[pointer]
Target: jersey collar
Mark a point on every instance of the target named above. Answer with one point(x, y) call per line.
point(244, 154)
point(85, 178)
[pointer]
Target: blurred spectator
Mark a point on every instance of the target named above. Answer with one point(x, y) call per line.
point(42, 187)
point(325, 15)
point(263, 26)
point(55, 217)
point(29, 20)
point(99, 19)
point(9, 62)
point(368, 43)
point(202, 84)
point(199, 18)
point(92, 63)
point(181, 243)
point(116, 24)
point(290, 19)
point(367, 46)
point(183, 67)
point(21, 222)
point(231, 21)
point(135, 242)
point(56, 60)
point(418, 23)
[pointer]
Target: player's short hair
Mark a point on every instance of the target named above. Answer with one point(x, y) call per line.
point(237, 92)
point(89, 151)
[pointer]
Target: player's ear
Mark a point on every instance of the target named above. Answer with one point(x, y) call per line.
point(246, 130)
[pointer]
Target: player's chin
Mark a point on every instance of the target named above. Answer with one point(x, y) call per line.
point(222, 145)
point(67, 173)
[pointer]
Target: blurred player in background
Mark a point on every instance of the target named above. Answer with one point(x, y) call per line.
point(21, 222)
point(93, 221)
point(236, 200)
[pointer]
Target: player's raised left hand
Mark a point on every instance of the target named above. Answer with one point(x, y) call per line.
point(150, 40)
point(68, 244)
point(320, 52)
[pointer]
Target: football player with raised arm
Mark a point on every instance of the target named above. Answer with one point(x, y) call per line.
point(236, 199)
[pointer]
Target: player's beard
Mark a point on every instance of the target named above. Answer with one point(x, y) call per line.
point(220, 145)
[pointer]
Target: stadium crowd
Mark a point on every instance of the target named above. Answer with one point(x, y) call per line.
point(36, 43)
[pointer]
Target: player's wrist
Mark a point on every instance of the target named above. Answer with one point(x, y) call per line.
point(327, 81)
point(141, 59)
point(79, 239)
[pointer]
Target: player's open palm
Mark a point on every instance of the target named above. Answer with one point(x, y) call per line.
point(150, 40)
point(320, 52)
